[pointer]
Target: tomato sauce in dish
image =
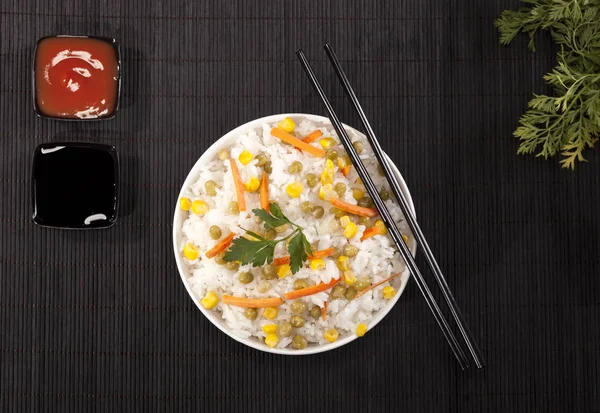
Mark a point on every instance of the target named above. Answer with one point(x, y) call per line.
point(76, 77)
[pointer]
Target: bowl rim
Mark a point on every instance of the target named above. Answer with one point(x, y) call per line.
point(192, 176)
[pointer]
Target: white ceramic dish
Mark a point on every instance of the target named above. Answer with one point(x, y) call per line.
point(224, 143)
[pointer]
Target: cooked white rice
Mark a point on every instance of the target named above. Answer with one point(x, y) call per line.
point(377, 256)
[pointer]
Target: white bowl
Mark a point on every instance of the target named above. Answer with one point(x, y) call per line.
point(215, 317)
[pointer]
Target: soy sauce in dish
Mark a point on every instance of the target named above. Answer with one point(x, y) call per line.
point(74, 185)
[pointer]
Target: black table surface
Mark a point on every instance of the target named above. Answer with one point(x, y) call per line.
point(99, 321)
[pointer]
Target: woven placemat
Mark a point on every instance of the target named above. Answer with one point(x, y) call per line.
point(99, 321)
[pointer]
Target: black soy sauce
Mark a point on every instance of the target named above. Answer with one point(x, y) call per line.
point(74, 185)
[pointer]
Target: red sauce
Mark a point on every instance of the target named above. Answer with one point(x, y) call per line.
point(76, 77)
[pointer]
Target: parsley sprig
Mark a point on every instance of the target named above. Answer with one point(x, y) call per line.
point(257, 250)
point(568, 122)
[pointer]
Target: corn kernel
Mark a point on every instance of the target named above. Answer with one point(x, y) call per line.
point(388, 292)
point(199, 207)
point(271, 340)
point(381, 227)
point(358, 194)
point(342, 263)
point(284, 270)
point(405, 238)
point(344, 221)
point(287, 125)
point(269, 328)
point(210, 300)
point(185, 204)
point(328, 172)
point(245, 157)
point(270, 313)
point(349, 277)
point(190, 252)
point(326, 191)
point(317, 264)
point(351, 230)
point(331, 335)
point(252, 185)
point(294, 189)
point(327, 143)
point(361, 329)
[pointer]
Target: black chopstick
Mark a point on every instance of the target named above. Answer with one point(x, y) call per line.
point(385, 214)
point(412, 222)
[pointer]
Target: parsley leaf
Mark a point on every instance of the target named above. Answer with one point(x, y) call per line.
point(247, 251)
point(273, 219)
point(299, 249)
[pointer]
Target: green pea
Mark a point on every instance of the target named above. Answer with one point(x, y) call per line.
point(385, 195)
point(268, 167)
point(350, 293)
point(350, 250)
point(281, 228)
point(311, 180)
point(365, 202)
point(300, 284)
point(338, 213)
point(270, 234)
point(298, 307)
point(251, 313)
point(232, 265)
point(295, 167)
point(215, 232)
point(297, 321)
point(299, 342)
point(340, 188)
point(307, 206)
point(331, 154)
point(246, 277)
point(285, 330)
point(211, 188)
point(220, 258)
point(362, 283)
point(233, 208)
point(366, 221)
point(318, 212)
point(336, 252)
point(264, 286)
point(315, 312)
point(358, 147)
point(338, 291)
point(261, 160)
point(269, 272)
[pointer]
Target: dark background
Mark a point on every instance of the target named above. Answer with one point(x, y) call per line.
point(99, 321)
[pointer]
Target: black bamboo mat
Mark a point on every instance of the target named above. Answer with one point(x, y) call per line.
point(99, 321)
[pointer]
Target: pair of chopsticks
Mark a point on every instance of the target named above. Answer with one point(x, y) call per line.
point(388, 220)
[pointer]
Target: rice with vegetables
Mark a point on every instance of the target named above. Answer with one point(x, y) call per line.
point(283, 241)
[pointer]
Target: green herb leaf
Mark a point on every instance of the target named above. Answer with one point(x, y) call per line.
point(568, 122)
point(273, 219)
point(256, 253)
point(299, 248)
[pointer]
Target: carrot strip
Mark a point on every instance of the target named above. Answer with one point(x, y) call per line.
point(317, 254)
point(313, 136)
point(322, 253)
point(251, 302)
point(353, 209)
point(282, 260)
point(313, 289)
point(369, 288)
point(324, 311)
point(292, 140)
point(346, 170)
point(220, 246)
point(239, 186)
point(370, 232)
point(264, 193)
